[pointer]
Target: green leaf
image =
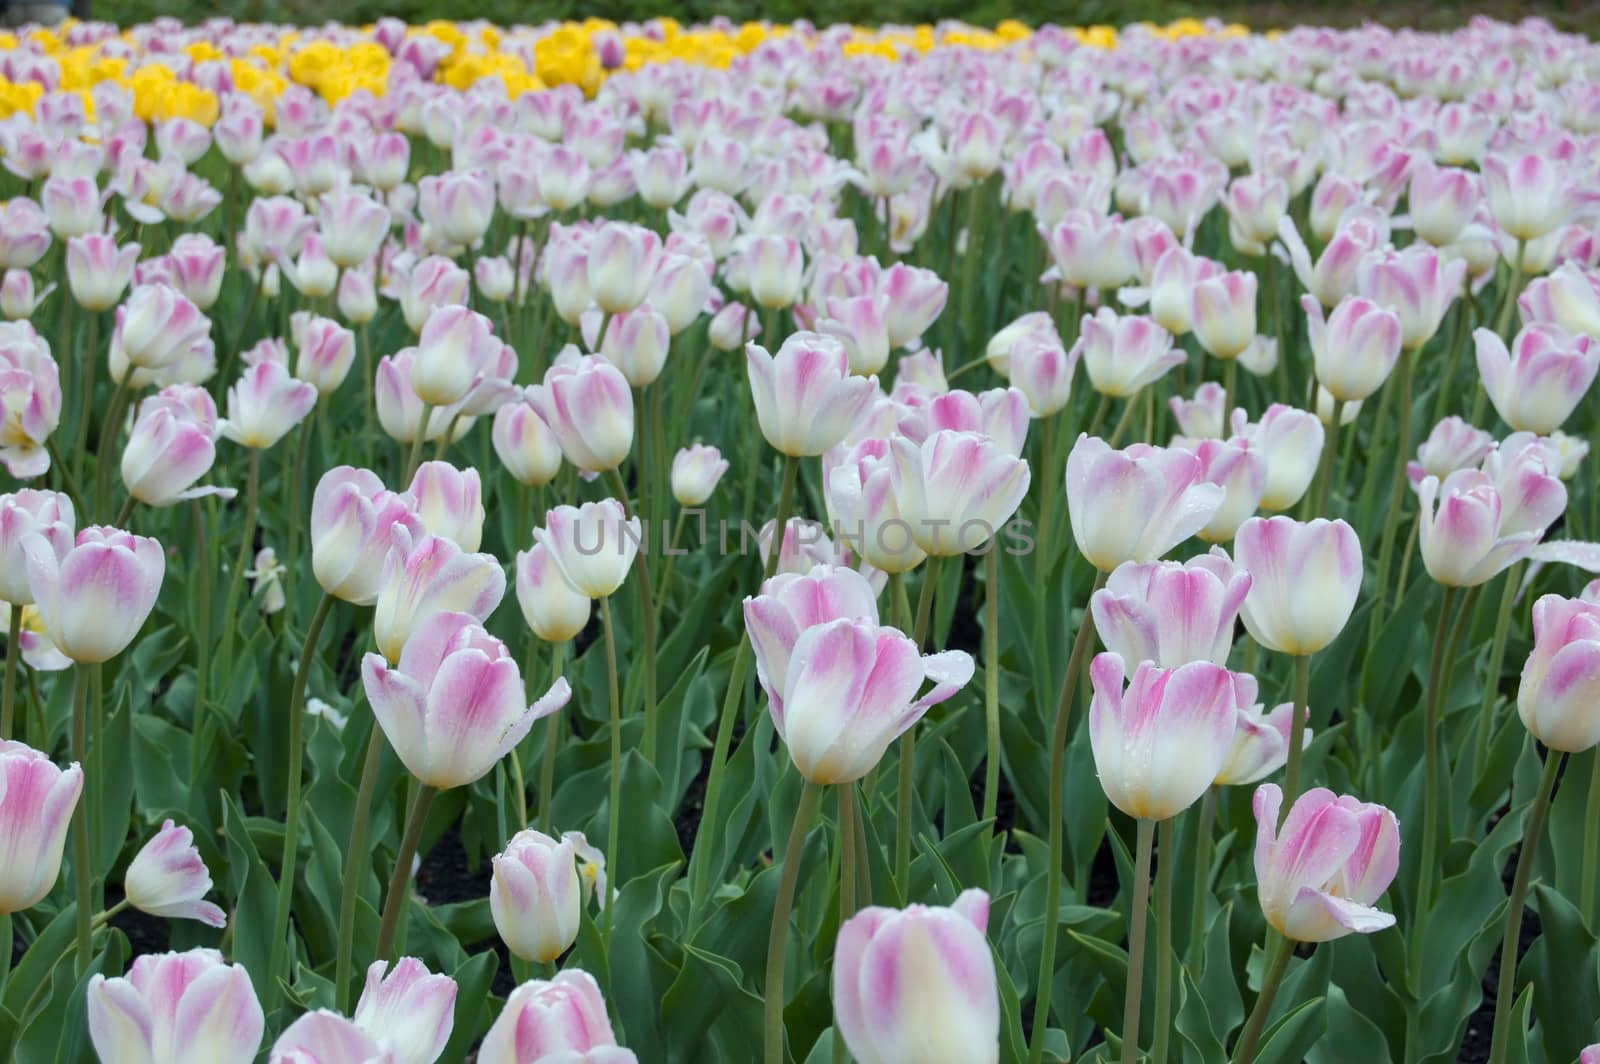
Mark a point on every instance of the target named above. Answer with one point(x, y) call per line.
point(1288, 1040)
point(1350, 1036)
point(1565, 1003)
point(255, 894)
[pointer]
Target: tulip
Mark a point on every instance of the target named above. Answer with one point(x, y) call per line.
point(1453, 444)
point(680, 291)
point(167, 451)
point(24, 234)
point(859, 492)
point(400, 411)
point(409, 1010)
point(562, 1019)
point(1443, 201)
point(1560, 680)
point(592, 545)
point(1319, 874)
point(455, 346)
point(1470, 537)
point(324, 1037)
point(1123, 354)
point(157, 325)
point(197, 265)
point(1202, 417)
point(554, 611)
point(918, 984)
point(1135, 504)
point(792, 603)
point(387, 161)
point(956, 489)
point(433, 283)
point(525, 444)
point(186, 1008)
point(695, 473)
point(454, 705)
point(1305, 577)
point(1291, 441)
point(850, 689)
point(425, 575)
point(773, 270)
point(1538, 383)
point(450, 503)
point(1159, 745)
point(1418, 284)
point(806, 545)
point(1260, 741)
point(1256, 203)
point(1530, 193)
point(357, 298)
point(30, 394)
point(265, 404)
point(662, 174)
point(732, 327)
point(1001, 414)
point(17, 297)
point(916, 298)
point(353, 226)
point(621, 264)
point(536, 895)
point(94, 597)
point(73, 205)
point(1241, 471)
point(1224, 313)
point(495, 277)
point(859, 324)
point(1171, 613)
point(26, 513)
point(1568, 297)
point(1355, 350)
point(168, 878)
point(1036, 325)
point(636, 342)
point(1042, 370)
point(266, 574)
point(587, 403)
point(36, 804)
point(1570, 452)
point(353, 518)
point(326, 350)
point(805, 396)
point(1091, 250)
point(1172, 282)
point(459, 206)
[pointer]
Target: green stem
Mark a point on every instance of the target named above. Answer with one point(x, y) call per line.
point(1391, 521)
point(614, 798)
point(8, 700)
point(1128, 406)
point(414, 459)
point(1430, 760)
point(906, 794)
point(1202, 878)
point(125, 513)
point(552, 743)
point(1458, 344)
point(1591, 844)
point(1281, 951)
point(699, 861)
point(355, 860)
point(1497, 654)
point(647, 614)
point(1133, 996)
point(91, 359)
point(202, 672)
point(1169, 853)
point(1513, 285)
point(1531, 835)
point(848, 853)
point(296, 486)
point(1081, 645)
point(400, 879)
point(1325, 464)
point(106, 452)
point(291, 821)
point(1297, 732)
point(247, 538)
point(778, 937)
point(82, 880)
point(1230, 379)
point(991, 682)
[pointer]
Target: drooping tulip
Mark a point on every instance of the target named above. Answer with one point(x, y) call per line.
point(168, 878)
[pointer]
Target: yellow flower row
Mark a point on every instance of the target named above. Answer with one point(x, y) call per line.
point(569, 54)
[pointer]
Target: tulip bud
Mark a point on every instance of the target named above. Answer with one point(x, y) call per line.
point(636, 342)
point(455, 345)
point(1135, 504)
point(17, 297)
point(695, 473)
point(621, 264)
point(36, 804)
point(94, 597)
point(1305, 577)
point(556, 1020)
point(1171, 613)
point(773, 270)
point(1224, 311)
point(426, 575)
point(588, 405)
point(168, 878)
point(956, 489)
point(457, 205)
point(1042, 370)
point(454, 705)
point(593, 545)
point(450, 503)
point(1538, 383)
point(24, 234)
point(918, 984)
point(407, 1009)
point(176, 1006)
point(197, 265)
point(1320, 873)
point(1356, 349)
point(536, 896)
point(681, 290)
point(805, 396)
point(73, 205)
point(525, 444)
point(1159, 745)
point(495, 278)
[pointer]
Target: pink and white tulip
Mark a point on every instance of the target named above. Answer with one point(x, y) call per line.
point(426, 575)
point(860, 496)
point(1451, 445)
point(36, 803)
point(554, 610)
point(1134, 504)
point(407, 1009)
point(1304, 579)
point(593, 545)
point(450, 503)
point(536, 896)
point(325, 351)
point(1241, 471)
point(696, 471)
point(186, 1008)
point(1465, 532)
point(805, 396)
point(588, 404)
point(526, 446)
point(1561, 678)
point(1123, 354)
point(1418, 284)
point(353, 518)
point(1536, 385)
point(455, 347)
point(955, 490)
point(1224, 310)
point(1291, 441)
point(25, 513)
point(1171, 613)
point(168, 450)
point(325, 1037)
point(94, 597)
point(551, 1021)
point(1356, 349)
point(264, 404)
point(168, 878)
point(1320, 874)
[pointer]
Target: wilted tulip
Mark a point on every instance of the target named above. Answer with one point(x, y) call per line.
point(1171, 613)
point(593, 545)
point(554, 610)
point(1321, 872)
point(695, 473)
point(168, 878)
point(407, 1009)
point(450, 503)
point(454, 706)
point(560, 1019)
point(184, 1007)
point(94, 598)
point(805, 396)
point(1304, 579)
point(427, 575)
point(588, 404)
point(1135, 504)
point(918, 984)
point(1538, 383)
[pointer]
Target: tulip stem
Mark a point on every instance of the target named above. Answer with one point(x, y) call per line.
point(1297, 731)
point(552, 742)
point(91, 359)
point(82, 882)
point(1129, 405)
point(8, 700)
point(1590, 904)
point(1531, 835)
point(778, 938)
point(297, 476)
point(1230, 381)
point(1458, 343)
point(1391, 522)
point(1281, 950)
point(204, 516)
point(1164, 870)
point(699, 867)
point(991, 683)
point(1081, 645)
point(414, 459)
point(291, 821)
point(354, 859)
point(1133, 996)
point(906, 793)
point(400, 878)
point(1325, 463)
point(1202, 878)
point(230, 602)
point(1513, 283)
point(614, 799)
point(647, 620)
point(105, 452)
point(1497, 654)
point(1430, 761)
point(848, 859)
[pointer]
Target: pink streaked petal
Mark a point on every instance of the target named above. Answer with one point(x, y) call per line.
point(1317, 917)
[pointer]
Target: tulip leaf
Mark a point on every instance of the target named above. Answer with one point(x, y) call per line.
point(1351, 1036)
point(1199, 1031)
point(708, 1002)
point(1289, 1039)
point(473, 978)
point(1565, 1002)
point(250, 882)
